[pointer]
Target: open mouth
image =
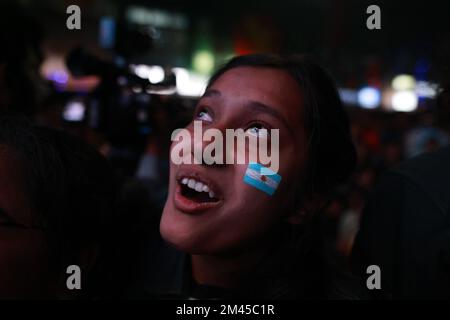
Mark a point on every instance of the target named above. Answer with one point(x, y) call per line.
point(193, 194)
point(196, 191)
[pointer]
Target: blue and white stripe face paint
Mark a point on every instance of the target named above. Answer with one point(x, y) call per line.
point(262, 178)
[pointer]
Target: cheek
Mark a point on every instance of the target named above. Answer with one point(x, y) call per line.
point(173, 165)
point(248, 222)
point(251, 206)
point(249, 210)
point(250, 194)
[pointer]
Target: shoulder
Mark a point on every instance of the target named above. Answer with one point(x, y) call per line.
point(434, 165)
point(427, 175)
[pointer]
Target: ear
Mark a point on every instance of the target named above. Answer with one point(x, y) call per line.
point(309, 206)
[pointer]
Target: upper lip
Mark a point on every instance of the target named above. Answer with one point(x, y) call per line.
point(200, 177)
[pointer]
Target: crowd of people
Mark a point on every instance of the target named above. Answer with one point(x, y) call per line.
point(70, 195)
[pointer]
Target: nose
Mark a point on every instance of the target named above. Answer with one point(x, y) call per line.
point(209, 147)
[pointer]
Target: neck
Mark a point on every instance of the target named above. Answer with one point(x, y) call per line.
point(227, 271)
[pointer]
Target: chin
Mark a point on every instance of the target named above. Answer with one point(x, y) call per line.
point(177, 234)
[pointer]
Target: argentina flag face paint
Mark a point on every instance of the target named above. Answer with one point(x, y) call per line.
point(262, 178)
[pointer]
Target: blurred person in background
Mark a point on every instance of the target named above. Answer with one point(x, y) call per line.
point(153, 166)
point(429, 135)
point(405, 227)
point(246, 244)
point(56, 204)
point(21, 87)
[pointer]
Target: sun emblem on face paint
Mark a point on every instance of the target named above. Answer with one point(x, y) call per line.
point(262, 178)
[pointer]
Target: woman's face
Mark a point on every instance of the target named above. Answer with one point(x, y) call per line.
point(241, 216)
point(24, 267)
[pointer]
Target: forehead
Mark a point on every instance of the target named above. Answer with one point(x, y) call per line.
point(270, 86)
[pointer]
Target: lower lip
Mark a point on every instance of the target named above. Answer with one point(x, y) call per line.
point(187, 205)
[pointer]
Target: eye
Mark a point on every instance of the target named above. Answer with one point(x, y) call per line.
point(203, 115)
point(257, 129)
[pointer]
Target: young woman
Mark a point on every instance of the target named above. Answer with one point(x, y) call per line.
point(243, 242)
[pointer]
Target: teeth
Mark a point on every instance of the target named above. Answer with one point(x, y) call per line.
point(197, 186)
point(191, 183)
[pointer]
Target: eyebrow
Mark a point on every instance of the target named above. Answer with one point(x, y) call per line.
point(255, 106)
point(211, 93)
point(263, 108)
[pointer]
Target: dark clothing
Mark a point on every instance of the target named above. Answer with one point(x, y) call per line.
point(405, 230)
point(166, 274)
